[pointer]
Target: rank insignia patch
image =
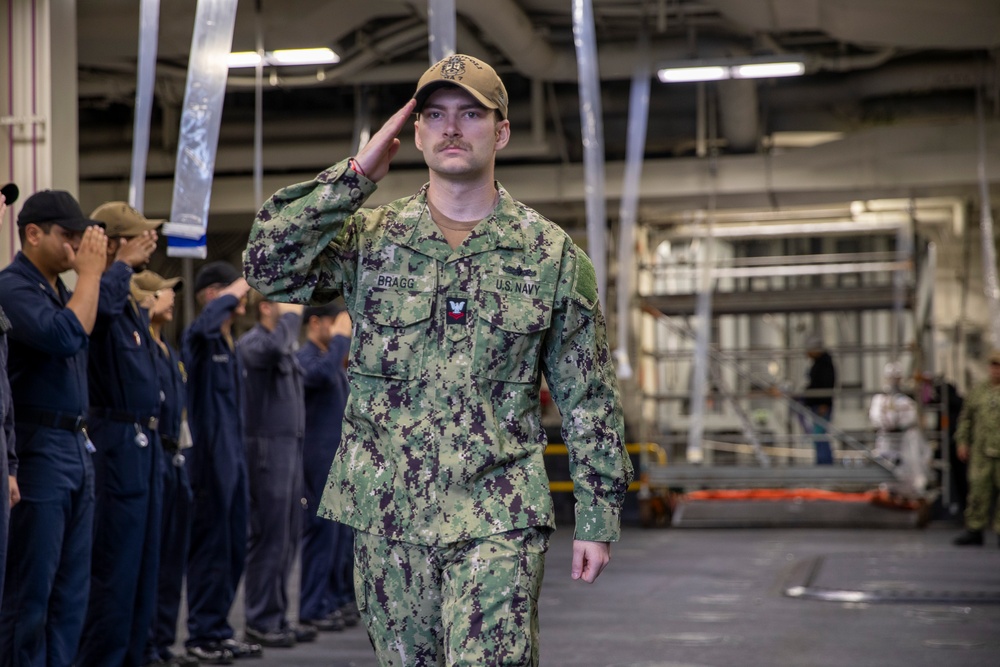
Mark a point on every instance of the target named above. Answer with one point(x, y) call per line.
point(457, 310)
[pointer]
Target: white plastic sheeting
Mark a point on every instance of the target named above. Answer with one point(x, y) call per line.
point(201, 117)
point(700, 361)
point(149, 26)
point(441, 22)
point(593, 140)
point(990, 283)
point(638, 117)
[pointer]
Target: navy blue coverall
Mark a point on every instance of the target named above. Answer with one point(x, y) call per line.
point(176, 511)
point(8, 459)
point(275, 423)
point(218, 472)
point(123, 424)
point(48, 557)
point(327, 547)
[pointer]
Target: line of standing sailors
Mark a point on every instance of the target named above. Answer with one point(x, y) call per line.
point(104, 515)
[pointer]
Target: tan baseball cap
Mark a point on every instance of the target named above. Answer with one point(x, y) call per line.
point(148, 283)
point(468, 73)
point(120, 219)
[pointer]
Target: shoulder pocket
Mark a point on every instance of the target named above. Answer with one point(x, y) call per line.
point(391, 333)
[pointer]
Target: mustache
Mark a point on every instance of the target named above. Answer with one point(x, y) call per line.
point(444, 145)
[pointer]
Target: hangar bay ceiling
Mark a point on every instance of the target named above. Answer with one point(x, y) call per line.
point(886, 80)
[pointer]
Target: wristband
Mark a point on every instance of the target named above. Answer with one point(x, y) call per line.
point(357, 167)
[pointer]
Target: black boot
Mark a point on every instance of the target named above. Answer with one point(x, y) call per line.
point(969, 538)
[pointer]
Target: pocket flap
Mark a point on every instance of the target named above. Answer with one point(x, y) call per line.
point(513, 313)
point(394, 308)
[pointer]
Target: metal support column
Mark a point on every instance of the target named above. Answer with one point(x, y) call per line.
point(38, 109)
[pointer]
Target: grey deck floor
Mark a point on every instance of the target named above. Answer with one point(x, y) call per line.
point(684, 597)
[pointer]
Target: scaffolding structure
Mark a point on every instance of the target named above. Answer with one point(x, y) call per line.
point(755, 285)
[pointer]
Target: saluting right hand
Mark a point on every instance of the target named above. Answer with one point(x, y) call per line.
point(375, 156)
point(237, 288)
point(92, 255)
point(341, 325)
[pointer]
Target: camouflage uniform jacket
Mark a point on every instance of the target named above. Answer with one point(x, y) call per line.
point(979, 422)
point(443, 438)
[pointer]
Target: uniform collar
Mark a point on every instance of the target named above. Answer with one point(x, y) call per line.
point(26, 268)
point(414, 229)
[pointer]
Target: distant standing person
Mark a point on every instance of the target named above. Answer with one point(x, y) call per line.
point(157, 294)
point(818, 398)
point(899, 440)
point(273, 430)
point(327, 591)
point(124, 426)
point(978, 442)
point(218, 466)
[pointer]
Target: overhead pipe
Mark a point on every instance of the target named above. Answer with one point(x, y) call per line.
point(441, 24)
point(258, 108)
point(638, 117)
point(149, 26)
point(991, 285)
point(591, 122)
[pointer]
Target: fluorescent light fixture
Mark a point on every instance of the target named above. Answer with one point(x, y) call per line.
point(768, 70)
point(318, 56)
point(679, 74)
point(303, 56)
point(243, 59)
point(750, 67)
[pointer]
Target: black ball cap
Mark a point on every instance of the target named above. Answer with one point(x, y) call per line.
point(10, 193)
point(215, 273)
point(56, 206)
point(331, 309)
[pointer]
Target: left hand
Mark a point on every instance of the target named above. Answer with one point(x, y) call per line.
point(136, 251)
point(590, 559)
point(15, 492)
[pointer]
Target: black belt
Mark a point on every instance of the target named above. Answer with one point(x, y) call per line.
point(63, 421)
point(151, 422)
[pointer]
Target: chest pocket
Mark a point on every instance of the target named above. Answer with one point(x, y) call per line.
point(390, 337)
point(509, 333)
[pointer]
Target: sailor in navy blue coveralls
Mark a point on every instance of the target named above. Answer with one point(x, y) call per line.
point(273, 431)
point(8, 459)
point(327, 546)
point(48, 559)
point(153, 290)
point(123, 424)
point(217, 463)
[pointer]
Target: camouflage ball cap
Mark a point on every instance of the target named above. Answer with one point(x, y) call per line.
point(472, 75)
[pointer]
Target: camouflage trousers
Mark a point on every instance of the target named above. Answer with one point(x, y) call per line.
point(457, 605)
point(984, 486)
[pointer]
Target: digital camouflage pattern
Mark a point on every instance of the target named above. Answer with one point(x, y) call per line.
point(491, 620)
point(979, 428)
point(443, 440)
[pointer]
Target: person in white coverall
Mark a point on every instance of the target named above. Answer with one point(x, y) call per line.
point(899, 440)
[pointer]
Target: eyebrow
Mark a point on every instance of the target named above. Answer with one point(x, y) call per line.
point(462, 107)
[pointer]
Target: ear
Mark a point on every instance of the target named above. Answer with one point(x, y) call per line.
point(502, 134)
point(32, 234)
point(416, 135)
